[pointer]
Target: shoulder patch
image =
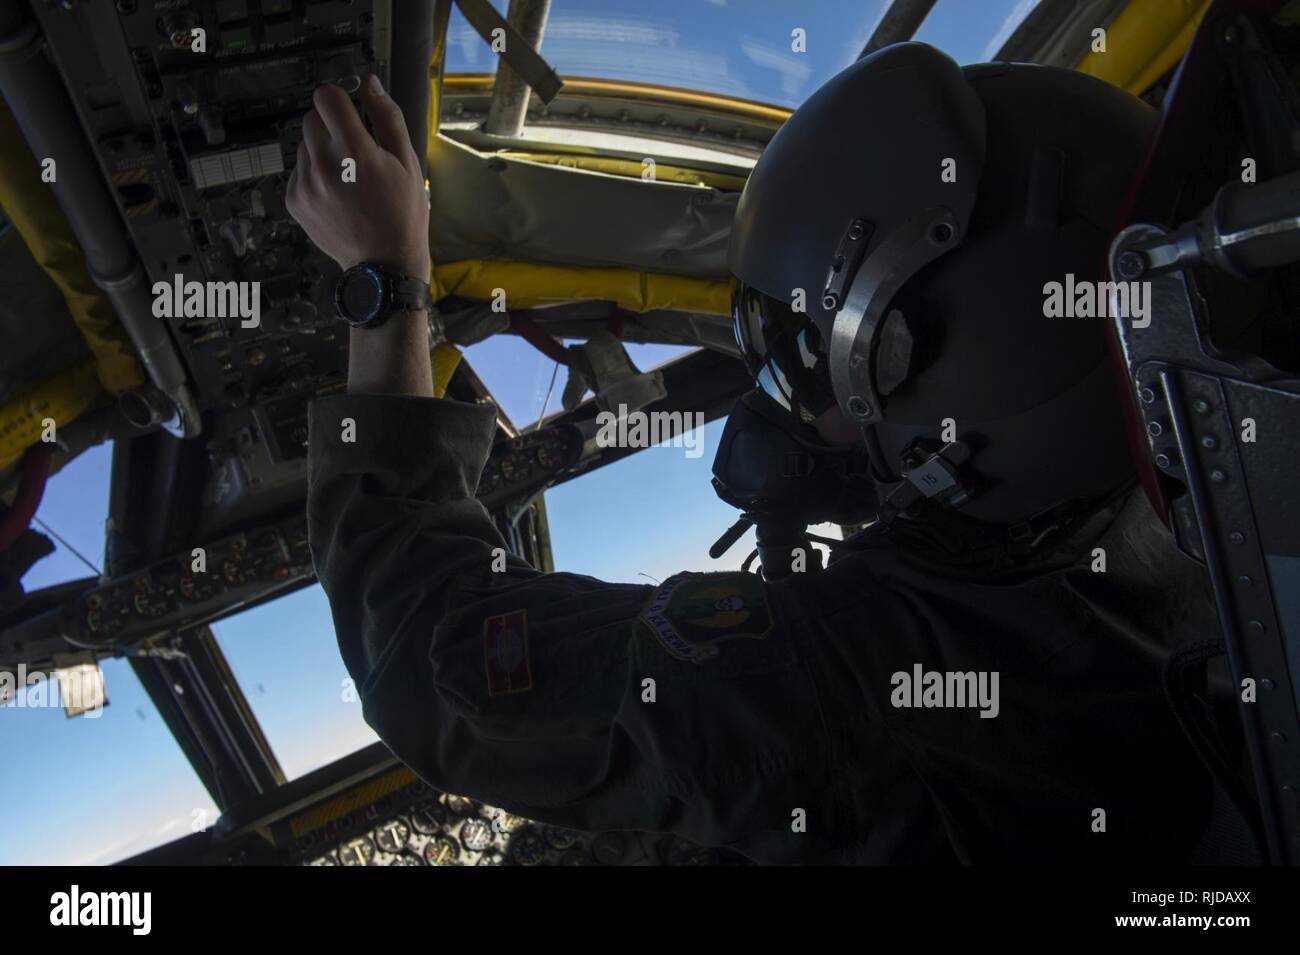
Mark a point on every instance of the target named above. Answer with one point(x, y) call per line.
point(505, 653)
point(690, 614)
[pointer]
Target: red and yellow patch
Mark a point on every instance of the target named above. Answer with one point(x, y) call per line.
point(505, 653)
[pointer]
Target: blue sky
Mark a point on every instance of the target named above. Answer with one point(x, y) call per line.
point(99, 790)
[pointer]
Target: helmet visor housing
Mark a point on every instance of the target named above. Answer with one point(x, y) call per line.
point(783, 351)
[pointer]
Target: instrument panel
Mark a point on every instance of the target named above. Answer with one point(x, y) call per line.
point(189, 588)
point(415, 825)
point(194, 109)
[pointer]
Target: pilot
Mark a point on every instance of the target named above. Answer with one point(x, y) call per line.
point(918, 208)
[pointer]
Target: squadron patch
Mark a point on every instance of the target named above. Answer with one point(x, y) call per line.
point(690, 614)
point(505, 653)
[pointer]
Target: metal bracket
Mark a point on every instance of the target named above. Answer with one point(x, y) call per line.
point(854, 329)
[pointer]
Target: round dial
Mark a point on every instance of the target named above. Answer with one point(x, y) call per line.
point(442, 850)
point(196, 587)
point(476, 834)
point(427, 819)
point(458, 805)
point(527, 848)
point(609, 848)
point(550, 456)
point(357, 852)
point(560, 838)
point(515, 468)
point(393, 835)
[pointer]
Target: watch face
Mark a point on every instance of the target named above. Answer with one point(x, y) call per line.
point(360, 295)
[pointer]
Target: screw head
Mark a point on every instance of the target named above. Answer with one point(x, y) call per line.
point(1237, 537)
point(1155, 429)
point(1201, 406)
point(1131, 264)
point(1209, 442)
point(858, 407)
point(1147, 395)
point(1218, 475)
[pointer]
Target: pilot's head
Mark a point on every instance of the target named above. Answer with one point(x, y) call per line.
point(893, 251)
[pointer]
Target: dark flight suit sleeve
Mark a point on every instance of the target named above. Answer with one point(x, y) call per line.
point(592, 723)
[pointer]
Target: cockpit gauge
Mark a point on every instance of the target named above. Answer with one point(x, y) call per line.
point(426, 819)
point(407, 858)
point(356, 852)
point(393, 835)
point(609, 848)
point(527, 848)
point(442, 850)
point(559, 838)
point(550, 457)
point(475, 834)
point(326, 859)
point(458, 805)
point(515, 468)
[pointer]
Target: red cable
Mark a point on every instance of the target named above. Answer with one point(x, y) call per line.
point(538, 337)
point(35, 469)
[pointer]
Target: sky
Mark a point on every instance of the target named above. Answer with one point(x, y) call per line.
point(94, 791)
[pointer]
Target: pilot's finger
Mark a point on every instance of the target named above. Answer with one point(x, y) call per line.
point(388, 122)
point(316, 138)
point(301, 169)
point(340, 118)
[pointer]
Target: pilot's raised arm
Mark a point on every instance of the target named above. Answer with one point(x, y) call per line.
point(556, 696)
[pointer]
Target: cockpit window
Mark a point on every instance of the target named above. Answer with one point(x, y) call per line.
point(93, 789)
point(770, 51)
point(286, 659)
point(520, 377)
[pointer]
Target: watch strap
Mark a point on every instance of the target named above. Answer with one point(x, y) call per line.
point(409, 295)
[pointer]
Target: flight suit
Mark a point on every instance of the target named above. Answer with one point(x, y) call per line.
point(766, 718)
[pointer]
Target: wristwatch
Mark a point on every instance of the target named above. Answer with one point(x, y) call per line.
point(367, 294)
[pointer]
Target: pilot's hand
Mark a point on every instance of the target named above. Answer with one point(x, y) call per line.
point(382, 216)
